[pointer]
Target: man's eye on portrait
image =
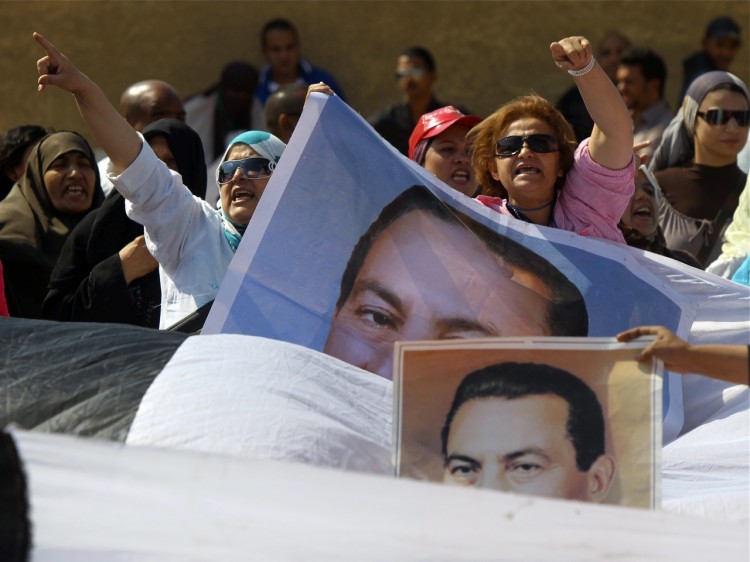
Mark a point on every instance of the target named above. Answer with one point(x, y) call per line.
point(525, 469)
point(377, 318)
point(464, 472)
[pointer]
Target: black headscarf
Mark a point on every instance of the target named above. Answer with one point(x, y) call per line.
point(187, 150)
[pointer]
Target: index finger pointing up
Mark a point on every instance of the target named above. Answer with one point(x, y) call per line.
point(46, 45)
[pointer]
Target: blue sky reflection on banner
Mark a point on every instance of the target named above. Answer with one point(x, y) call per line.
point(333, 181)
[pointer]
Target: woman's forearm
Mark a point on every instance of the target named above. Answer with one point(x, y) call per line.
point(611, 142)
point(111, 131)
point(612, 138)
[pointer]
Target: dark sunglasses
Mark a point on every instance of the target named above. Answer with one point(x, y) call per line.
point(512, 145)
point(410, 72)
point(252, 168)
point(722, 116)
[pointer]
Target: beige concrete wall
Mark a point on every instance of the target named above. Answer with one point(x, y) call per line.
point(487, 52)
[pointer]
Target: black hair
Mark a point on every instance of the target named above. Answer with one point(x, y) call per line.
point(585, 424)
point(239, 75)
point(420, 53)
point(649, 62)
point(13, 144)
point(277, 24)
point(566, 315)
point(15, 141)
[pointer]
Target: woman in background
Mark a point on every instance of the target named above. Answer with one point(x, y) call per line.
point(59, 187)
point(698, 200)
point(438, 144)
point(640, 221)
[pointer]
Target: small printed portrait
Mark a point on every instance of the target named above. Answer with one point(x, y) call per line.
point(527, 428)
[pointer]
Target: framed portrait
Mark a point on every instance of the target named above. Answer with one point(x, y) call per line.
point(569, 418)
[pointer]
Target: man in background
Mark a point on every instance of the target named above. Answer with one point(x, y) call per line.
point(143, 103)
point(223, 110)
point(280, 44)
point(283, 110)
point(416, 74)
point(720, 45)
point(641, 76)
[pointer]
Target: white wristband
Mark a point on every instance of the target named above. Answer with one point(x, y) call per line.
point(585, 70)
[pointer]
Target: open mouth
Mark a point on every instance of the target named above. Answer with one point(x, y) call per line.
point(239, 195)
point(461, 176)
point(527, 170)
point(643, 212)
point(75, 191)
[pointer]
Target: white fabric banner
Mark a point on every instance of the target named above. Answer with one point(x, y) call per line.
point(337, 176)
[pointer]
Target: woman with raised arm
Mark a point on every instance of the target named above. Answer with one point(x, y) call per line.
point(192, 241)
point(526, 160)
point(105, 273)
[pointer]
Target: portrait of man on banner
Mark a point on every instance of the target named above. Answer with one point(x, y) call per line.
point(423, 271)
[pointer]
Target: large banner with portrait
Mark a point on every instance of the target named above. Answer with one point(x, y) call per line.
point(569, 418)
point(353, 247)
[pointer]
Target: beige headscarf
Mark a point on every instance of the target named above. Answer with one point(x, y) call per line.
point(27, 215)
point(32, 231)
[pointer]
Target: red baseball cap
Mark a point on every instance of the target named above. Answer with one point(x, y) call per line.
point(435, 122)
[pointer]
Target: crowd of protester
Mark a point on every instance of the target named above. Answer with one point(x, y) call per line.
point(156, 249)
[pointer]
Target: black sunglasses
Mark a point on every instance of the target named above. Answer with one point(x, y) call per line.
point(252, 168)
point(512, 145)
point(722, 116)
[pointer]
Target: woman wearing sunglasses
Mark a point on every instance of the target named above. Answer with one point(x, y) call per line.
point(192, 241)
point(526, 160)
point(698, 200)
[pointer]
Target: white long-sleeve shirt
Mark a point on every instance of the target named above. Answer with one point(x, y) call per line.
point(184, 233)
